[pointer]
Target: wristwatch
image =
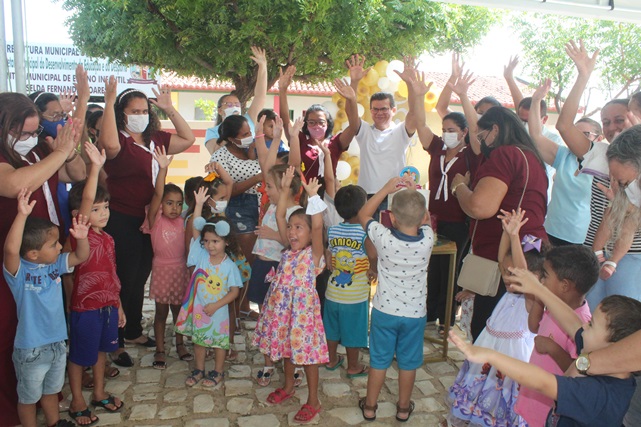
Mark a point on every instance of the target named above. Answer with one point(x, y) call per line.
point(455, 187)
point(582, 363)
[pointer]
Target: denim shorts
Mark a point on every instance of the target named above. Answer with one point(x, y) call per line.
point(91, 332)
point(242, 213)
point(395, 334)
point(40, 371)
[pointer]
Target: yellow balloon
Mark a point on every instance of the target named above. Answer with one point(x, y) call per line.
point(354, 161)
point(341, 116)
point(363, 99)
point(430, 97)
point(344, 156)
point(356, 170)
point(402, 89)
point(362, 89)
point(400, 115)
point(348, 181)
point(338, 125)
point(374, 89)
point(336, 97)
point(381, 68)
point(367, 115)
point(429, 106)
point(371, 78)
point(341, 104)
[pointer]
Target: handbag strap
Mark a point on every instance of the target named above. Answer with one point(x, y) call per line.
point(527, 179)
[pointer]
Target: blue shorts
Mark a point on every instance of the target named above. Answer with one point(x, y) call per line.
point(394, 334)
point(40, 371)
point(91, 332)
point(242, 213)
point(346, 323)
point(258, 287)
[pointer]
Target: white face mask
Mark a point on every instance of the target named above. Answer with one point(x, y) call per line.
point(231, 111)
point(220, 207)
point(137, 123)
point(478, 116)
point(451, 139)
point(23, 147)
point(633, 191)
point(246, 142)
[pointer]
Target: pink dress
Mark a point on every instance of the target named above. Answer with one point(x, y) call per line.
point(169, 274)
point(291, 325)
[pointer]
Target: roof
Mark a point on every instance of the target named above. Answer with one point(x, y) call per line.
point(484, 86)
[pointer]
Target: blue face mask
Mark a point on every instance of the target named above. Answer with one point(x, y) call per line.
point(51, 128)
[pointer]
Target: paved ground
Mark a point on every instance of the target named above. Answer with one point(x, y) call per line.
point(160, 398)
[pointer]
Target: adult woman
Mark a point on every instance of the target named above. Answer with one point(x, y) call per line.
point(130, 133)
point(24, 164)
point(230, 104)
point(510, 161)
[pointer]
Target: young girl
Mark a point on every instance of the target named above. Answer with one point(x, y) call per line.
point(290, 326)
point(482, 395)
point(169, 275)
point(214, 284)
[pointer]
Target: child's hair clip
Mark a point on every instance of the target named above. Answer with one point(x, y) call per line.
point(212, 176)
point(222, 227)
point(530, 242)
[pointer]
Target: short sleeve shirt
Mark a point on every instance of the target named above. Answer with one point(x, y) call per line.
point(348, 283)
point(227, 271)
point(402, 269)
point(239, 169)
point(310, 154)
point(37, 290)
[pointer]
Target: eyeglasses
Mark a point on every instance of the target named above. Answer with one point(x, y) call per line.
point(380, 110)
point(26, 135)
point(316, 123)
point(56, 117)
point(231, 104)
point(590, 135)
point(479, 138)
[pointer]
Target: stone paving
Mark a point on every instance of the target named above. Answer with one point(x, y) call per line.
point(160, 398)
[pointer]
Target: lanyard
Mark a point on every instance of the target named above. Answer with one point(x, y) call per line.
point(51, 205)
point(443, 185)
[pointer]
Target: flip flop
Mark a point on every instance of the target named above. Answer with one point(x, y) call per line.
point(338, 364)
point(111, 372)
point(149, 343)
point(365, 407)
point(159, 364)
point(407, 411)
point(123, 359)
point(279, 396)
point(108, 401)
point(86, 413)
point(363, 373)
point(306, 414)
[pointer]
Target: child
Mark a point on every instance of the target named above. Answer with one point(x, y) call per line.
point(399, 312)
point(598, 400)
point(214, 284)
point(481, 394)
point(96, 312)
point(290, 326)
point(268, 129)
point(169, 275)
point(346, 310)
point(32, 268)
point(569, 273)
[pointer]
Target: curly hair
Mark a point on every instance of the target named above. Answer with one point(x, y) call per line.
point(233, 247)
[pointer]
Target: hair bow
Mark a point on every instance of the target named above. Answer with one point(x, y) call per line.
point(212, 176)
point(530, 242)
point(222, 227)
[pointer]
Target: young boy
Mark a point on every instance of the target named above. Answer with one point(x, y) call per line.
point(399, 312)
point(32, 267)
point(268, 128)
point(96, 312)
point(598, 400)
point(345, 314)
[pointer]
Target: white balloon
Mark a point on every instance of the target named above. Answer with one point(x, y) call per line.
point(361, 110)
point(343, 170)
point(393, 86)
point(383, 83)
point(331, 107)
point(395, 65)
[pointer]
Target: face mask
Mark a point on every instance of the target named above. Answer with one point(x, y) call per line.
point(633, 191)
point(23, 147)
point(246, 142)
point(137, 123)
point(450, 139)
point(317, 132)
point(478, 116)
point(51, 128)
point(486, 149)
point(220, 207)
point(231, 111)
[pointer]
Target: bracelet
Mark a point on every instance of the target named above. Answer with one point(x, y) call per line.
point(455, 187)
point(75, 154)
point(261, 135)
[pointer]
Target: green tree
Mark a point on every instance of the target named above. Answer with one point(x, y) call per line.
point(211, 38)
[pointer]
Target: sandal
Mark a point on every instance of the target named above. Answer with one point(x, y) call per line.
point(123, 359)
point(111, 372)
point(299, 376)
point(159, 361)
point(185, 355)
point(213, 379)
point(108, 401)
point(84, 414)
point(365, 407)
point(195, 377)
point(306, 414)
point(279, 396)
point(362, 373)
point(407, 411)
point(264, 376)
point(337, 365)
point(149, 342)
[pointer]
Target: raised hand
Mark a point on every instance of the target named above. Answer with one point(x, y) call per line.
point(82, 84)
point(163, 98)
point(512, 222)
point(24, 206)
point(409, 69)
point(355, 65)
point(65, 140)
point(278, 129)
point(96, 156)
point(324, 147)
point(583, 61)
point(508, 70)
point(457, 65)
point(111, 88)
point(160, 155)
point(260, 125)
point(524, 281)
point(344, 89)
point(286, 180)
point(294, 129)
point(395, 184)
point(285, 78)
point(80, 228)
point(66, 99)
point(213, 167)
point(258, 56)
point(418, 84)
point(542, 91)
point(312, 186)
point(201, 196)
point(463, 83)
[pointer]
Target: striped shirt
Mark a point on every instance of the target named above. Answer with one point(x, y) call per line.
point(348, 282)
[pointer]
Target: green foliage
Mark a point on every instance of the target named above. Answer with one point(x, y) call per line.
point(211, 38)
point(207, 106)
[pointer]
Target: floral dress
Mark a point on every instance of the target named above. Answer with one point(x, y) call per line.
point(291, 325)
point(209, 284)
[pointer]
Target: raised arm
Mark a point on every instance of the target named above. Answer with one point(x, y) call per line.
point(97, 159)
point(620, 357)
point(367, 211)
point(260, 90)
point(508, 73)
point(14, 238)
point(281, 207)
point(576, 141)
point(184, 137)
point(200, 197)
point(408, 71)
point(328, 175)
point(351, 109)
point(318, 245)
point(163, 163)
point(267, 157)
point(416, 91)
point(108, 139)
point(461, 88)
point(284, 81)
point(295, 157)
point(547, 147)
point(79, 231)
point(512, 223)
point(356, 71)
point(443, 103)
point(224, 176)
point(83, 93)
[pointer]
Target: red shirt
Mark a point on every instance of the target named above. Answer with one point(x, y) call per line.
point(507, 164)
point(466, 160)
point(129, 175)
point(309, 156)
point(95, 283)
